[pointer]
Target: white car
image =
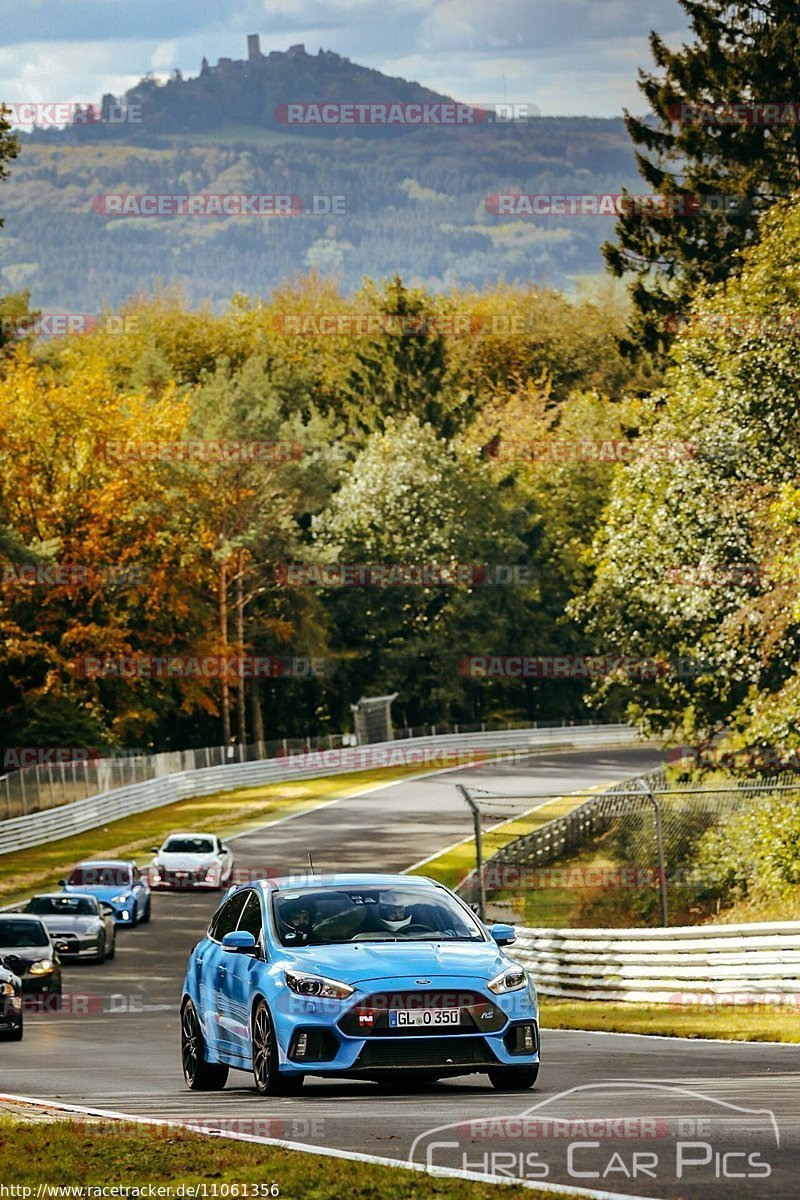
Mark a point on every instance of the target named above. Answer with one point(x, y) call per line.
point(191, 860)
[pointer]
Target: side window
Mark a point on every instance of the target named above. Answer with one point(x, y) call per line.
point(227, 917)
point(251, 917)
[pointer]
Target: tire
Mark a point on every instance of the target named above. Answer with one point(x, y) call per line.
point(513, 1079)
point(134, 921)
point(15, 1035)
point(146, 914)
point(100, 957)
point(265, 1057)
point(200, 1076)
point(110, 953)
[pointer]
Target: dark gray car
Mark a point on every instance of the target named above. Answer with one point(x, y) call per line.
point(27, 950)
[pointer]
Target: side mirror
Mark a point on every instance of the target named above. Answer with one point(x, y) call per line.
point(106, 908)
point(239, 942)
point(225, 849)
point(155, 849)
point(62, 883)
point(504, 935)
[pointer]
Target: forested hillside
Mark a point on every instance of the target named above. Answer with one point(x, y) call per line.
point(413, 200)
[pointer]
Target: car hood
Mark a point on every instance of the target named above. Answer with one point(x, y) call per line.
point(359, 962)
point(58, 924)
point(24, 954)
point(187, 862)
point(102, 893)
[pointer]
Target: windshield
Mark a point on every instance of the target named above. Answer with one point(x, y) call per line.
point(100, 875)
point(188, 845)
point(22, 933)
point(65, 906)
point(330, 916)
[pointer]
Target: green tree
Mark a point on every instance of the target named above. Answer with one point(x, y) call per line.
point(715, 178)
point(684, 557)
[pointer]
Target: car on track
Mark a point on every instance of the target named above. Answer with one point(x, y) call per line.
point(370, 976)
point(191, 860)
point(115, 882)
point(28, 951)
point(11, 1019)
point(81, 926)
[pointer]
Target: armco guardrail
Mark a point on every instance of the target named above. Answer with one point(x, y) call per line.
point(19, 833)
point(684, 966)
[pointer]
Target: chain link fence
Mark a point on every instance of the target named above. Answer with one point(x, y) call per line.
point(628, 851)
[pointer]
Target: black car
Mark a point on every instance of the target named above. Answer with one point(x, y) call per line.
point(27, 950)
point(80, 926)
point(10, 1006)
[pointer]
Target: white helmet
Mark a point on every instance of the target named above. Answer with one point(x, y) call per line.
point(393, 913)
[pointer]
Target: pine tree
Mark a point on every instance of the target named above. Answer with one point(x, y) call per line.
point(9, 148)
point(712, 166)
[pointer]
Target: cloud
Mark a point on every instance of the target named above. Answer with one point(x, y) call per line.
point(565, 56)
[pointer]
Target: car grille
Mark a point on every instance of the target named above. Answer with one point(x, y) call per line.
point(370, 1017)
point(445, 1052)
point(68, 943)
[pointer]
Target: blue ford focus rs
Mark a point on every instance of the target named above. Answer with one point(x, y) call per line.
point(370, 976)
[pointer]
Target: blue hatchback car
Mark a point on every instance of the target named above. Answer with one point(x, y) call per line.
point(115, 882)
point(370, 976)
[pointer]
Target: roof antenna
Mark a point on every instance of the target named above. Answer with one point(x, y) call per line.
point(311, 864)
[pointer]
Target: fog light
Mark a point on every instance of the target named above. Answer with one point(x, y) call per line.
point(528, 1043)
point(301, 1048)
point(124, 914)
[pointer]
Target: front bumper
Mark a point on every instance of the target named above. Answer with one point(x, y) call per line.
point(10, 1013)
point(184, 881)
point(42, 985)
point(72, 951)
point(123, 912)
point(354, 1037)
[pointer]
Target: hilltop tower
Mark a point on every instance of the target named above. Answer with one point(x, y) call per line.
point(254, 47)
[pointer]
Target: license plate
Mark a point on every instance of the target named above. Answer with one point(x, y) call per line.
point(423, 1016)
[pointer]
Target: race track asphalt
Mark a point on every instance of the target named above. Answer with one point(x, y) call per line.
point(652, 1116)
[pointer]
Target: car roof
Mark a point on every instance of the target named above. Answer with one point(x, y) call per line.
point(104, 862)
point(347, 879)
point(58, 896)
point(193, 833)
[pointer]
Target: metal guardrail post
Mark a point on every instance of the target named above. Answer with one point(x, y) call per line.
point(476, 820)
point(662, 873)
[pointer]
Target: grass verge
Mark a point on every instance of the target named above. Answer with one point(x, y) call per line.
point(227, 813)
point(731, 1022)
point(96, 1154)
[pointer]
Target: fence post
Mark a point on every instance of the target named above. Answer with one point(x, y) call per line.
point(476, 820)
point(662, 874)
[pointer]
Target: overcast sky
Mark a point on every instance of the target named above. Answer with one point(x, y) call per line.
point(564, 56)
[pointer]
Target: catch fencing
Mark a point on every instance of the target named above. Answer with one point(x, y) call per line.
point(185, 781)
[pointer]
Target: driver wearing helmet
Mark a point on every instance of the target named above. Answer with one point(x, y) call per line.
point(297, 919)
point(393, 912)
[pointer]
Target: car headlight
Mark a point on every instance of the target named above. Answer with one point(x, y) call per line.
point(43, 967)
point(510, 980)
point(317, 985)
point(120, 899)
